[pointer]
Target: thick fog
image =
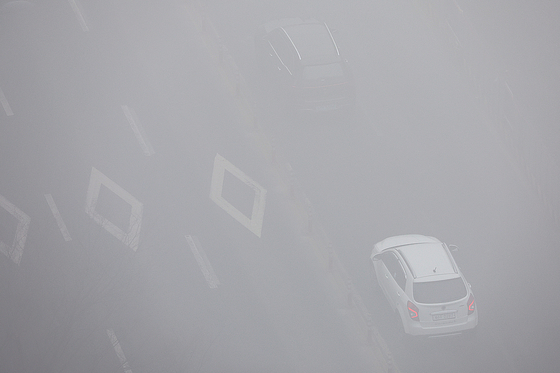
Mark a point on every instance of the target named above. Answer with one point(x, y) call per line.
point(166, 207)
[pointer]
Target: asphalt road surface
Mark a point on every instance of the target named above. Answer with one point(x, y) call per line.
point(128, 97)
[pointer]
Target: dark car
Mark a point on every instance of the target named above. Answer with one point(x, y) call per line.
point(301, 60)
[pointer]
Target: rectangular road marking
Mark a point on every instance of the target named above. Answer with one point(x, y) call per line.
point(58, 218)
point(138, 130)
point(119, 351)
point(203, 262)
point(76, 8)
point(5, 104)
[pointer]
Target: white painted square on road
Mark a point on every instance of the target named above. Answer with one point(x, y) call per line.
point(131, 238)
point(15, 250)
point(253, 223)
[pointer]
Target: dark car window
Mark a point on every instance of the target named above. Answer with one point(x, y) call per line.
point(439, 291)
point(395, 268)
point(283, 48)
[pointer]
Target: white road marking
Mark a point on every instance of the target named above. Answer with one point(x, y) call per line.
point(509, 90)
point(254, 224)
point(79, 14)
point(458, 7)
point(138, 130)
point(119, 351)
point(131, 238)
point(15, 251)
point(5, 104)
point(203, 262)
point(457, 41)
point(58, 218)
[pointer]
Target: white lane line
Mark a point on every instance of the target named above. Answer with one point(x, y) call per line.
point(509, 90)
point(58, 218)
point(79, 14)
point(131, 238)
point(457, 41)
point(15, 251)
point(5, 104)
point(254, 223)
point(138, 130)
point(119, 351)
point(203, 262)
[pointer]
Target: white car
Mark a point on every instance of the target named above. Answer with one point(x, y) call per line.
point(424, 285)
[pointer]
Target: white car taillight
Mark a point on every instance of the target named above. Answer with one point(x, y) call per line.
point(412, 311)
point(471, 304)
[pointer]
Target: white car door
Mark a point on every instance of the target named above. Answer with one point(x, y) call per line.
point(393, 278)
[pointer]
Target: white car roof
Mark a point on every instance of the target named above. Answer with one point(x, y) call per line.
point(428, 259)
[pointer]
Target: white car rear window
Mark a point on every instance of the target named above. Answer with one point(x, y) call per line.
point(316, 72)
point(442, 291)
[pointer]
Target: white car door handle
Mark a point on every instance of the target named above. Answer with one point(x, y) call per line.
point(386, 276)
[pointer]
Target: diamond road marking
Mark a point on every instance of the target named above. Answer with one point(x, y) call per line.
point(254, 223)
point(15, 251)
point(131, 238)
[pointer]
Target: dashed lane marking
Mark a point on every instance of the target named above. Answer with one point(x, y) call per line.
point(119, 351)
point(203, 262)
point(5, 104)
point(58, 218)
point(76, 7)
point(138, 130)
point(254, 223)
point(15, 250)
point(131, 238)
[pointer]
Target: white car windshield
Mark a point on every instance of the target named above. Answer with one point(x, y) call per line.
point(442, 291)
